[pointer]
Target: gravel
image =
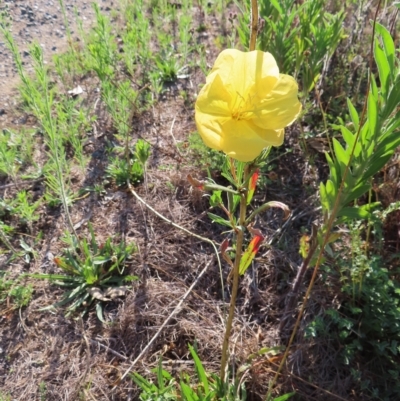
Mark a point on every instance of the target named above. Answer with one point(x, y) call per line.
point(43, 22)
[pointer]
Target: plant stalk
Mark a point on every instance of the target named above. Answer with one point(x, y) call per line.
point(235, 286)
point(254, 25)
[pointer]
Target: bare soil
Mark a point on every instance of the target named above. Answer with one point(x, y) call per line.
point(41, 21)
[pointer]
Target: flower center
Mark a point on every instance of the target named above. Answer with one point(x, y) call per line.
point(242, 109)
point(240, 114)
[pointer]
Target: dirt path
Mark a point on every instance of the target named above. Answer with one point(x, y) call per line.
point(41, 21)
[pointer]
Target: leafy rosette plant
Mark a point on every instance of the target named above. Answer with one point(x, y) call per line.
point(246, 104)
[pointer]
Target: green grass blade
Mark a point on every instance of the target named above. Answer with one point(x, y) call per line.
point(200, 369)
point(284, 397)
point(187, 393)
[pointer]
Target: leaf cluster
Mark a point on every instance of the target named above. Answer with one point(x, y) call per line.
point(16, 294)
point(301, 36)
point(366, 325)
point(92, 275)
point(122, 171)
point(371, 143)
point(205, 388)
point(200, 387)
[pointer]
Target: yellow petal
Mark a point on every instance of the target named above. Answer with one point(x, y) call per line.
point(241, 141)
point(270, 136)
point(281, 107)
point(210, 130)
point(214, 98)
point(245, 104)
point(246, 74)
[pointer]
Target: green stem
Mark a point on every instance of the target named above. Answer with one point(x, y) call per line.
point(235, 286)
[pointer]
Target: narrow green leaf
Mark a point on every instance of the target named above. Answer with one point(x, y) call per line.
point(353, 114)
point(284, 397)
point(51, 276)
point(378, 161)
point(351, 179)
point(73, 262)
point(331, 193)
point(93, 238)
point(383, 68)
point(276, 4)
point(341, 155)
point(226, 172)
point(67, 284)
point(100, 260)
point(332, 169)
point(130, 278)
point(188, 393)
point(231, 206)
point(389, 142)
point(364, 139)
point(393, 99)
point(324, 197)
point(357, 192)
point(394, 122)
point(217, 219)
point(99, 312)
point(68, 298)
point(78, 290)
point(199, 369)
point(165, 374)
point(77, 303)
point(348, 137)
point(160, 377)
point(372, 115)
point(388, 45)
point(362, 212)
point(236, 201)
point(143, 383)
point(240, 171)
point(85, 247)
point(374, 87)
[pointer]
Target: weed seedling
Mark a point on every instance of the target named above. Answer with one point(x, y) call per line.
point(15, 294)
point(93, 277)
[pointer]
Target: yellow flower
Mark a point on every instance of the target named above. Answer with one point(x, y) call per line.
point(245, 104)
